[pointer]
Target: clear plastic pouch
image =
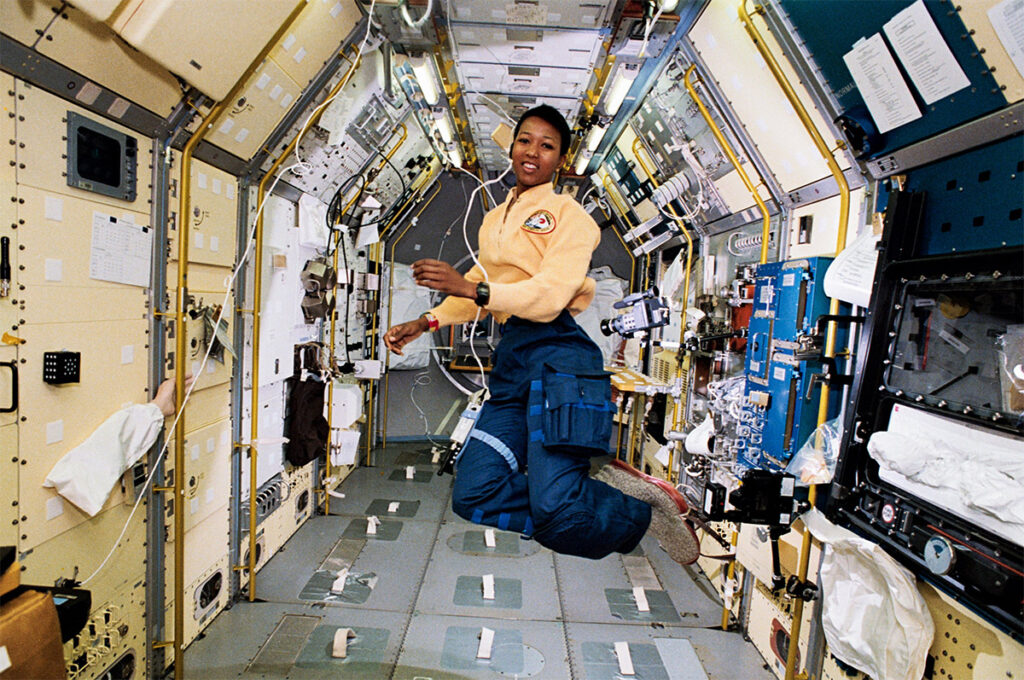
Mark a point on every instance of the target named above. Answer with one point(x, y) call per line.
point(815, 462)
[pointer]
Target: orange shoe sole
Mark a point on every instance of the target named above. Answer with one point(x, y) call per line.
point(673, 493)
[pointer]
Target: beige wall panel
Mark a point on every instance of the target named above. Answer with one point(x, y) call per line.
point(315, 37)
point(756, 97)
point(42, 133)
point(9, 469)
point(276, 529)
point(768, 614)
point(100, 10)
point(58, 418)
point(22, 19)
point(267, 96)
point(207, 406)
point(210, 279)
point(196, 618)
point(735, 193)
point(207, 471)
point(206, 288)
point(206, 546)
point(824, 226)
point(975, 18)
point(119, 621)
point(86, 547)
point(8, 214)
point(212, 215)
point(966, 647)
point(211, 54)
point(92, 49)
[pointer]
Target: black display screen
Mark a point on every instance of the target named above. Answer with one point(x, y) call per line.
point(99, 157)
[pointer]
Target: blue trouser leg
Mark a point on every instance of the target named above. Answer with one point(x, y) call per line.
point(556, 500)
point(490, 488)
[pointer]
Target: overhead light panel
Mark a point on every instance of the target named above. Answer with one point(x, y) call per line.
point(595, 136)
point(455, 156)
point(582, 162)
point(623, 80)
point(444, 128)
point(423, 69)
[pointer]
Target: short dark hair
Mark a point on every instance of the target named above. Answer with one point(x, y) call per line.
point(548, 114)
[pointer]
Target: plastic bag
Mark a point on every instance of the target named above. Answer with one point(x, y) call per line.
point(815, 462)
point(872, 613)
point(1010, 350)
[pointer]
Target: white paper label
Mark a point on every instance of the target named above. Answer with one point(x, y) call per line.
point(788, 280)
point(878, 79)
point(641, 599)
point(54, 209)
point(201, 180)
point(127, 354)
point(625, 660)
point(216, 185)
point(483, 651)
point(53, 269)
point(226, 126)
point(958, 345)
point(54, 507)
point(1008, 21)
point(779, 373)
point(193, 506)
point(275, 92)
point(54, 431)
point(197, 240)
point(194, 451)
point(924, 53)
point(264, 80)
point(214, 244)
point(211, 444)
point(488, 586)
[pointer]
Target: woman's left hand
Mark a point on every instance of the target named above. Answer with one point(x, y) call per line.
point(441, 276)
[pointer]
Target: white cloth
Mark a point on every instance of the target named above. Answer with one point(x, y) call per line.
point(409, 300)
point(87, 473)
point(872, 613)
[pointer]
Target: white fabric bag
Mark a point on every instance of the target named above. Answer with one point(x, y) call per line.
point(873, 615)
point(87, 473)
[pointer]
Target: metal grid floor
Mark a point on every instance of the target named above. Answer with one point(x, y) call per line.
point(412, 597)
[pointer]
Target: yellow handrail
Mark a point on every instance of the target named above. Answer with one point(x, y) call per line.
point(180, 330)
point(731, 155)
point(637, 148)
point(830, 336)
point(391, 281)
point(257, 256)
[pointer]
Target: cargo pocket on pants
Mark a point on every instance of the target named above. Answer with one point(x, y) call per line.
point(577, 413)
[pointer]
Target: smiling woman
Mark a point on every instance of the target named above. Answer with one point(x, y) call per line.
point(549, 409)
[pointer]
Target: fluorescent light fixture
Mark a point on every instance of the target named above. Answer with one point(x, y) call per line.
point(423, 69)
point(444, 128)
point(623, 80)
point(595, 136)
point(455, 156)
point(582, 162)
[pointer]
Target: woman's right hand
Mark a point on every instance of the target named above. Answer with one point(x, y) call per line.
point(401, 335)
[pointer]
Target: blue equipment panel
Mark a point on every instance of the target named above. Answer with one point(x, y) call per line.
point(780, 402)
point(831, 27)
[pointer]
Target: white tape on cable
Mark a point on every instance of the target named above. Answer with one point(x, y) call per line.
point(625, 660)
point(641, 599)
point(339, 583)
point(483, 651)
point(488, 586)
point(489, 539)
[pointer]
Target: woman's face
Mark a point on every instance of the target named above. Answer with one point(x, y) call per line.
point(536, 152)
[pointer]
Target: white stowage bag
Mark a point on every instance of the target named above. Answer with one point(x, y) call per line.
point(872, 613)
point(87, 473)
point(408, 301)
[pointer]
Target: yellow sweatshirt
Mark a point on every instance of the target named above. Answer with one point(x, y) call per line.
point(536, 249)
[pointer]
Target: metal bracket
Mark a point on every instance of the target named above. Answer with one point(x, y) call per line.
point(805, 590)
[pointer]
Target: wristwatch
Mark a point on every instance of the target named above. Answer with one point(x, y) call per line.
point(432, 323)
point(483, 294)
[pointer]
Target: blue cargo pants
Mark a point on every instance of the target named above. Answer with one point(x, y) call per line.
point(516, 471)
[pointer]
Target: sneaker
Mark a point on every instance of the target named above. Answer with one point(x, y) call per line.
point(668, 508)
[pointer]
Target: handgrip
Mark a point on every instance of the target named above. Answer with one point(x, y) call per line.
point(14, 386)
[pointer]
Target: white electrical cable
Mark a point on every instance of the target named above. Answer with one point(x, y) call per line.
point(421, 378)
point(229, 284)
point(419, 22)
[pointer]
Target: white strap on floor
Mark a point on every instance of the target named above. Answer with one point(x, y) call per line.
point(641, 599)
point(410, 472)
point(339, 583)
point(483, 651)
point(372, 522)
point(488, 586)
point(339, 650)
point(489, 539)
point(393, 507)
point(625, 660)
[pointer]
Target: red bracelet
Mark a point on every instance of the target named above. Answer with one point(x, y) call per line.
point(432, 323)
